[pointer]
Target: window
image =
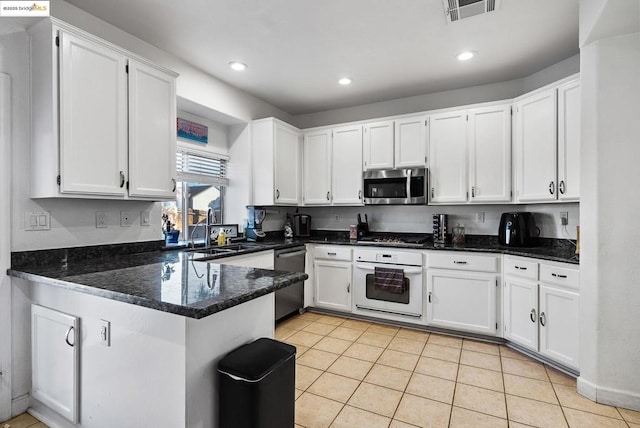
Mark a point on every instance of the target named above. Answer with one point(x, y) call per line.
point(202, 179)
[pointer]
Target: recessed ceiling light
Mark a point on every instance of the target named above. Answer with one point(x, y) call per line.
point(466, 55)
point(238, 66)
point(345, 81)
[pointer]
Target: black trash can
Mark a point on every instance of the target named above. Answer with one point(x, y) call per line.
point(257, 386)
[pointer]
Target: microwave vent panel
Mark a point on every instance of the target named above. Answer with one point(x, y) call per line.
point(456, 10)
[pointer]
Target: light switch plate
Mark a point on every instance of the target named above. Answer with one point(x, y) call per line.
point(37, 220)
point(126, 219)
point(144, 218)
point(102, 220)
point(105, 332)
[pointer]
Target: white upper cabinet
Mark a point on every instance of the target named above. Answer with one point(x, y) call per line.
point(535, 147)
point(448, 157)
point(569, 141)
point(97, 131)
point(276, 154)
point(152, 131)
point(346, 163)
point(378, 145)
point(489, 137)
point(317, 168)
point(411, 142)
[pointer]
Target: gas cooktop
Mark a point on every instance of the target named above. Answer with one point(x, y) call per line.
point(401, 240)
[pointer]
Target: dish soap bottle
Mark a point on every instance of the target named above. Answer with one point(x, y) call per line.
point(221, 237)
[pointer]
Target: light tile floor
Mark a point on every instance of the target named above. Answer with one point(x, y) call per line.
point(352, 373)
point(24, 420)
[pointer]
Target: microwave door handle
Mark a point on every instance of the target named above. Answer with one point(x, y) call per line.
point(408, 184)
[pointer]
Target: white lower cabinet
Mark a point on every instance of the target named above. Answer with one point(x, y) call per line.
point(541, 308)
point(461, 292)
point(332, 276)
point(54, 360)
point(462, 300)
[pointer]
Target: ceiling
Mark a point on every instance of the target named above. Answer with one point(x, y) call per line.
point(297, 50)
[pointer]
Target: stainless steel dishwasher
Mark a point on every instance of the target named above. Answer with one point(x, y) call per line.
point(291, 298)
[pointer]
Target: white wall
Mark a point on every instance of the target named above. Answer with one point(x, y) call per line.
point(610, 238)
point(437, 100)
point(238, 194)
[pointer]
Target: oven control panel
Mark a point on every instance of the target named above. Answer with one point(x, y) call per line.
point(386, 258)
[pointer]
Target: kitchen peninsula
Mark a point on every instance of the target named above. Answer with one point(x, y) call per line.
point(170, 319)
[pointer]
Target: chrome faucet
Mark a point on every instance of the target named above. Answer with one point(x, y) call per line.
point(207, 228)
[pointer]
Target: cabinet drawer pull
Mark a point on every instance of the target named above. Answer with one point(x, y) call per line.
point(66, 336)
point(121, 179)
point(561, 187)
point(543, 319)
point(332, 254)
point(552, 187)
point(558, 275)
point(429, 297)
point(520, 267)
point(459, 262)
point(532, 315)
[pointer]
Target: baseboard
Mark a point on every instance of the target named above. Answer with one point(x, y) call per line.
point(20, 404)
point(609, 396)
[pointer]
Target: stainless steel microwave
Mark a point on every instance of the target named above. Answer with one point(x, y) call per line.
point(395, 186)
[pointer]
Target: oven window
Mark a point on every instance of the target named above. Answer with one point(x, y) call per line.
point(385, 187)
point(376, 293)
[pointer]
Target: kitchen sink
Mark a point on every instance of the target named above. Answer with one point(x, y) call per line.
point(225, 249)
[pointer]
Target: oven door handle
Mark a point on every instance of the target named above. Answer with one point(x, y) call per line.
point(407, 270)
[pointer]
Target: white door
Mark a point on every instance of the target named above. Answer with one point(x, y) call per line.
point(411, 142)
point(489, 137)
point(378, 145)
point(317, 168)
point(54, 360)
point(559, 329)
point(287, 165)
point(346, 179)
point(93, 118)
point(569, 141)
point(521, 312)
point(332, 285)
point(152, 132)
point(462, 300)
point(447, 157)
point(535, 147)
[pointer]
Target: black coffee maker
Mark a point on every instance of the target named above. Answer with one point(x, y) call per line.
point(518, 229)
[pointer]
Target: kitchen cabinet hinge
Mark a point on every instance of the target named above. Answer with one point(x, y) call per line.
point(511, 110)
point(496, 282)
point(126, 68)
point(511, 193)
point(127, 185)
point(496, 326)
point(57, 41)
point(58, 180)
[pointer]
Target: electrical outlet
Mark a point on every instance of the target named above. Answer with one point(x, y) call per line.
point(144, 218)
point(336, 217)
point(105, 333)
point(564, 218)
point(480, 217)
point(101, 220)
point(126, 219)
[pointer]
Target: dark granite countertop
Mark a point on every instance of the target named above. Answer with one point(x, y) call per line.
point(169, 281)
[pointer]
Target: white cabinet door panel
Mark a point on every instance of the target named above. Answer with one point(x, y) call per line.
point(535, 144)
point(521, 312)
point(462, 300)
point(152, 132)
point(378, 145)
point(93, 118)
point(287, 165)
point(317, 168)
point(569, 141)
point(559, 329)
point(447, 157)
point(347, 166)
point(411, 142)
point(489, 136)
point(333, 284)
point(54, 360)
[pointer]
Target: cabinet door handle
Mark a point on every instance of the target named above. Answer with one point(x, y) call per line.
point(542, 319)
point(552, 187)
point(328, 198)
point(429, 297)
point(332, 254)
point(359, 194)
point(561, 187)
point(121, 179)
point(348, 287)
point(173, 180)
point(473, 191)
point(433, 191)
point(558, 275)
point(520, 267)
point(459, 262)
point(277, 194)
point(532, 315)
point(66, 336)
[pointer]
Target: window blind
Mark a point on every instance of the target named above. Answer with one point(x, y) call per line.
point(196, 168)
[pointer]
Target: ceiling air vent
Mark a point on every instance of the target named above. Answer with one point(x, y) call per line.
point(455, 10)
